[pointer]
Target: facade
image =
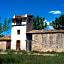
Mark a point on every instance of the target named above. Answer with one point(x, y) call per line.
point(20, 25)
point(47, 40)
point(23, 37)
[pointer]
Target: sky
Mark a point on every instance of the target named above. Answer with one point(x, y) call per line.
point(49, 9)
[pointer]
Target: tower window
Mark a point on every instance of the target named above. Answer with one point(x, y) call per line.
point(18, 32)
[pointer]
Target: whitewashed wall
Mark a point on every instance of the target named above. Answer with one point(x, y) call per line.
point(21, 37)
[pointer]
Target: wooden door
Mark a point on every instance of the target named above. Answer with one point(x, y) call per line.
point(8, 45)
point(18, 45)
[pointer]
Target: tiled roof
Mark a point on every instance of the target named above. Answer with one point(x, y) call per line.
point(5, 38)
point(45, 31)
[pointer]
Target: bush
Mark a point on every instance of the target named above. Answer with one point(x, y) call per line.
point(10, 51)
point(24, 52)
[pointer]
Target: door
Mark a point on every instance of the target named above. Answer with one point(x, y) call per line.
point(18, 45)
point(29, 42)
point(8, 45)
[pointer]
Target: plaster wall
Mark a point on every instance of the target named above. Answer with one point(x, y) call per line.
point(21, 37)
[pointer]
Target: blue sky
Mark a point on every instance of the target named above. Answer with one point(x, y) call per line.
point(44, 8)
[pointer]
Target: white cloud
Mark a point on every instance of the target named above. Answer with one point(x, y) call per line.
point(49, 27)
point(55, 12)
point(46, 22)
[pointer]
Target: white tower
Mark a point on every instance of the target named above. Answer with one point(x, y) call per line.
point(20, 25)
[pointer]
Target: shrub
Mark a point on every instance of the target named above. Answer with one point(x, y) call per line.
point(10, 51)
point(24, 52)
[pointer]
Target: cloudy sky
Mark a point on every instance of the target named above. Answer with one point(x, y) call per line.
point(44, 8)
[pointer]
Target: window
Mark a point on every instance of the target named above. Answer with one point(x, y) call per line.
point(18, 22)
point(18, 32)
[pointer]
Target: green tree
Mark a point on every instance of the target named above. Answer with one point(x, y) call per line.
point(58, 23)
point(61, 21)
point(0, 28)
point(4, 27)
point(39, 23)
point(55, 24)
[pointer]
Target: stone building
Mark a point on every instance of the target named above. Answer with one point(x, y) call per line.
point(23, 37)
point(46, 40)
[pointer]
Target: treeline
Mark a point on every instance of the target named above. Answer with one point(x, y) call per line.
point(39, 23)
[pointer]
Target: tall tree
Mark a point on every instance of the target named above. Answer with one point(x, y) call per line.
point(5, 26)
point(61, 21)
point(58, 23)
point(0, 28)
point(39, 23)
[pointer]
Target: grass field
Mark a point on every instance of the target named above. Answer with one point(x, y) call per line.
point(31, 59)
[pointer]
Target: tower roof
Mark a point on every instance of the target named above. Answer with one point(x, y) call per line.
point(21, 16)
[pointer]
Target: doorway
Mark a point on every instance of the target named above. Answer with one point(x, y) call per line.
point(29, 42)
point(8, 45)
point(18, 45)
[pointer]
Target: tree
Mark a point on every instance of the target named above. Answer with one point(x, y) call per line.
point(0, 28)
point(61, 21)
point(39, 23)
point(5, 26)
point(58, 23)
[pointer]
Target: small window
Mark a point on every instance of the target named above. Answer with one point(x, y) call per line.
point(18, 32)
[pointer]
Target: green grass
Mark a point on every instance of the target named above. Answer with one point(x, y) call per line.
point(31, 59)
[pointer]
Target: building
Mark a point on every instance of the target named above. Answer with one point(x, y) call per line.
point(5, 42)
point(20, 25)
point(46, 40)
point(23, 37)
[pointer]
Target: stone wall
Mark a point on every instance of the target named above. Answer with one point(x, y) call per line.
point(48, 42)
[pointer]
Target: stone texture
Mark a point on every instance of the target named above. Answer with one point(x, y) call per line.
point(48, 42)
point(37, 42)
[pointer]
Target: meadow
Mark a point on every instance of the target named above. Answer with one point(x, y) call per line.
point(32, 59)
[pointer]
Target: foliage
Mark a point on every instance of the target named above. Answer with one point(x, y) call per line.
point(24, 52)
point(32, 52)
point(58, 23)
point(39, 23)
point(4, 27)
point(0, 28)
point(9, 51)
